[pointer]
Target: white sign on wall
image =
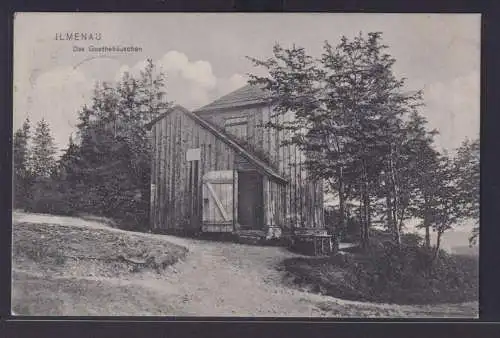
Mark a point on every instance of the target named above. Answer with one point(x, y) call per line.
point(193, 154)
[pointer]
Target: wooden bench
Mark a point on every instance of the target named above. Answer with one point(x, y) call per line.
point(313, 243)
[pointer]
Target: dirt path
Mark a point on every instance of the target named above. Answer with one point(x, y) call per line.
point(229, 279)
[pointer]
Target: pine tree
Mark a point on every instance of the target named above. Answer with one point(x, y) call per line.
point(67, 164)
point(113, 159)
point(21, 150)
point(97, 131)
point(44, 151)
point(151, 96)
point(21, 160)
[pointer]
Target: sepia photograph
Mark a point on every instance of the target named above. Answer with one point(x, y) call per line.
point(298, 165)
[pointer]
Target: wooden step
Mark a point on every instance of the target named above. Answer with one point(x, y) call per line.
point(250, 236)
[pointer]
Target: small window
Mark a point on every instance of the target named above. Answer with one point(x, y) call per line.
point(237, 126)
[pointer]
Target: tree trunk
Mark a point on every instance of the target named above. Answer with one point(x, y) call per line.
point(388, 204)
point(401, 219)
point(438, 244)
point(341, 188)
point(362, 221)
point(426, 224)
point(395, 205)
point(427, 234)
point(368, 218)
point(365, 198)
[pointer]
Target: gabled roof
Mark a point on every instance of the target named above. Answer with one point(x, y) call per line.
point(244, 96)
point(238, 148)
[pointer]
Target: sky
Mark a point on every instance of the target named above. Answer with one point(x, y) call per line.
point(204, 57)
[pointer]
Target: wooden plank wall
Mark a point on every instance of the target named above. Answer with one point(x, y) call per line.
point(154, 185)
point(274, 203)
point(173, 136)
point(303, 196)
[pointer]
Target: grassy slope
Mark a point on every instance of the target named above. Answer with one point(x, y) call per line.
point(63, 270)
point(337, 277)
point(454, 280)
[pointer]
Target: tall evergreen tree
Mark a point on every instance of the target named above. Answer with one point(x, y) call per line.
point(68, 181)
point(21, 161)
point(151, 94)
point(21, 144)
point(67, 164)
point(44, 151)
point(114, 152)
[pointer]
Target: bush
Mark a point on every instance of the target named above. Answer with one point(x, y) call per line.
point(352, 229)
point(390, 274)
point(59, 198)
point(47, 198)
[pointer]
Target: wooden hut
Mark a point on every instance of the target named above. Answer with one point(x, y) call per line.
point(218, 169)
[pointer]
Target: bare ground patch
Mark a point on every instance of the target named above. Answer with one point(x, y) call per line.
point(43, 295)
point(64, 270)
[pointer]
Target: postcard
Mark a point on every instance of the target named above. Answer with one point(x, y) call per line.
point(246, 165)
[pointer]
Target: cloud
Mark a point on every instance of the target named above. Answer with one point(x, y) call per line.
point(234, 82)
point(56, 96)
point(453, 107)
point(199, 72)
point(191, 84)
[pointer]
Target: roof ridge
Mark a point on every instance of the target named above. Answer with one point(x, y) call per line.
point(248, 93)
